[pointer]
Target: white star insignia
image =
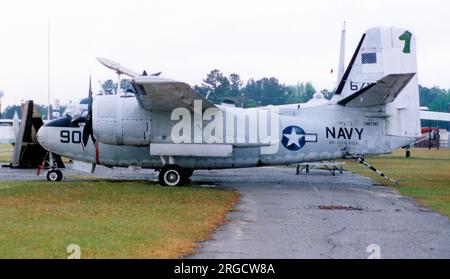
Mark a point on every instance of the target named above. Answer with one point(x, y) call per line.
point(293, 138)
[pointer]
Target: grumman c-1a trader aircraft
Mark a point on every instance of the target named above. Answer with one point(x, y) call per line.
point(164, 124)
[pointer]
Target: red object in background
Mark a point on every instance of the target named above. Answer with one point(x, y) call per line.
point(427, 130)
point(434, 143)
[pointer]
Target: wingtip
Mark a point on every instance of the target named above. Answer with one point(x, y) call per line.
point(105, 61)
point(117, 67)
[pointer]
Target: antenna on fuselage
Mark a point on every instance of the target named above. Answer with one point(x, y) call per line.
point(341, 68)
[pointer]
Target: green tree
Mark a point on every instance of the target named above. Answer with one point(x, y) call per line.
point(296, 93)
point(9, 111)
point(125, 85)
point(109, 87)
point(266, 91)
point(327, 94)
point(215, 87)
point(250, 91)
point(301, 92)
point(309, 91)
point(235, 85)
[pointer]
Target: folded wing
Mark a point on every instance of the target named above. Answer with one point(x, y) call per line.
point(157, 93)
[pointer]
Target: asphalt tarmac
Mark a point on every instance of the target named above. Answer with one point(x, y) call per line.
point(282, 215)
point(316, 215)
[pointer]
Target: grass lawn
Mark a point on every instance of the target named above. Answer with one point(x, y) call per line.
point(107, 219)
point(5, 152)
point(425, 176)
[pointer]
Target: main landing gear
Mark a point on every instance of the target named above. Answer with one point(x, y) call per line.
point(173, 175)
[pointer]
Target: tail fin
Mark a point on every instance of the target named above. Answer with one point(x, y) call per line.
point(383, 72)
point(341, 67)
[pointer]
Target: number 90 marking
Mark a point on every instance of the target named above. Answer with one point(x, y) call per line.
point(67, 136)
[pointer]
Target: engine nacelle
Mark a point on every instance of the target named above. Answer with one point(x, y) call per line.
point(119, 120)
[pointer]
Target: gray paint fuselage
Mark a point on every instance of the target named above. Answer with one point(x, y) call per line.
point(340, 131)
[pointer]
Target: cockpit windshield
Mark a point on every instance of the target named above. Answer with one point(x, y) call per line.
point(77, 110)
point(77, 113)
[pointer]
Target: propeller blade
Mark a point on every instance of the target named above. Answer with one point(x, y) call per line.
point(92, 134)
point(86, 133)
point(90, 97)
point(88, 127)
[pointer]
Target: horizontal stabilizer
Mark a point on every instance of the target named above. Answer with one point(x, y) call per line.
point(434, 115)
point(380, 93)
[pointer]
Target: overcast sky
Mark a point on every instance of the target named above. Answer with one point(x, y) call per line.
point(292, 40)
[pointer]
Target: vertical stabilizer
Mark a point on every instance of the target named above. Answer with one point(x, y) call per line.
point(341, 68)
point(385, 51)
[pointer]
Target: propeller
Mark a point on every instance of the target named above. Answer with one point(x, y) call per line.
point(88, 128)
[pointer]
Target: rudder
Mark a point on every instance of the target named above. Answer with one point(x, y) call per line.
point(382, 52)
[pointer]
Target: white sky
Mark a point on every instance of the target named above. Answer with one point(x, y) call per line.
point(291, 40)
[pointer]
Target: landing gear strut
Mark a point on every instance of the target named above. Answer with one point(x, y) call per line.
point(53, 174)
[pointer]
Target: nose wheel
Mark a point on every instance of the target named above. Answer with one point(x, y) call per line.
point(54, 175)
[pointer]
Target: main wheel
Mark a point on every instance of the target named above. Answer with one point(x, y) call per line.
point(172, 175)
point(54, 175)
point(188, 172)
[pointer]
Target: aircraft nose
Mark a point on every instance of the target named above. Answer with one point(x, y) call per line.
point(42, 136)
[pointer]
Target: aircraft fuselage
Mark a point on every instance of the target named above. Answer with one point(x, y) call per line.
point(127, 134)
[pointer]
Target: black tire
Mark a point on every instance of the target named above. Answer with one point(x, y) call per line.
point(172, 175)
point(54, 175)
point(188, 172)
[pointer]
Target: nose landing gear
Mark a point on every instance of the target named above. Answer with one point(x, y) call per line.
point(54, 174)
